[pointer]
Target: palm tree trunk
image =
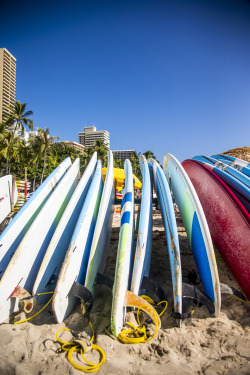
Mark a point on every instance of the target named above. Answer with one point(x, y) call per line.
point(34, 181)
point(7, 162)
point(43, 165)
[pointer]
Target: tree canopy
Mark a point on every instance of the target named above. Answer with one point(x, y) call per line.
point(41, 154)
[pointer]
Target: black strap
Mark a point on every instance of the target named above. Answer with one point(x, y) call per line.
point(102, 279)
point(84, 294)
point(154, 287)
point(192, 295)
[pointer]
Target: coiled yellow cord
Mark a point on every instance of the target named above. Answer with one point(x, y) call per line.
point(72, 347)
point(141, 334)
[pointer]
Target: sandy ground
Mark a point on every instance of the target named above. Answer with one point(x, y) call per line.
point(204, 345)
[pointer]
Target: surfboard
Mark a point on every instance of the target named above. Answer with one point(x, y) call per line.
point(75, 263)
point(241, 167)
point(49, 271)
point(241, 191)
point(18, 227)
point(196, 227)
point(167, 210)
point(124, 254)
point(25, 263)
point(228, 221)
point(143, 250)
point(8, 196)
point(231, 171)
point(101, 237)
point(232, 159)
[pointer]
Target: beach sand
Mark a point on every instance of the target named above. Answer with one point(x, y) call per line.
point(204, 345)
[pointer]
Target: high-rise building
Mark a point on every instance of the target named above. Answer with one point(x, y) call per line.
point(123, 154)
point(91, 135)
point(7, 81)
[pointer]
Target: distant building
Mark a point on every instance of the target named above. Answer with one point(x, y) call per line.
point(123, 154)
point(7, 81)
point(75, 145)
point(91, 135)
point(25, 135)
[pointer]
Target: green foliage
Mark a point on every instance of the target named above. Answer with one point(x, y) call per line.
point(19, 115)
point(41, 155)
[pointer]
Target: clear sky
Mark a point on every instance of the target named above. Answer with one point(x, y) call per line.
point(169, 76)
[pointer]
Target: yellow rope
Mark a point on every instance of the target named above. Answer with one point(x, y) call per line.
point(242, 300)
point(141, 334)
point(72, 347)
point(31, 317)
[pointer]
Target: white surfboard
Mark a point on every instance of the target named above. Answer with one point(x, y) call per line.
point(75, 264)
point(18, 227)
point(8, 196)
point(49, 271)
point(124, 254)
point(24, 266)
point(5, 196)
point(144, 237)
point(101, 238)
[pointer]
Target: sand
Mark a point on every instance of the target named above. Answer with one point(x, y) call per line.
point(204, 345)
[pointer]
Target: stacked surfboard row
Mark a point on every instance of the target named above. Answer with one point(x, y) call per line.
point(58, 242)
point(47, 246)
point(222, 184)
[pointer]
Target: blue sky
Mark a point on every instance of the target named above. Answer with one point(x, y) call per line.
point(169, 76)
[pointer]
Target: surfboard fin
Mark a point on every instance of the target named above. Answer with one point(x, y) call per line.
point(192, 295)
point(85, 296)
point(26, 300)
point(154, 287)
point(226, 289)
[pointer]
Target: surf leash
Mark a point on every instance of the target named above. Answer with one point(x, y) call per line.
point(141, 333)
point(31, 317)
point(152, 302)
point(81, 345)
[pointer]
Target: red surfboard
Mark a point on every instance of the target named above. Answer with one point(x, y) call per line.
point(228, 220)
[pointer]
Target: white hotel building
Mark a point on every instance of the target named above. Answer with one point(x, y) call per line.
point(91, 135)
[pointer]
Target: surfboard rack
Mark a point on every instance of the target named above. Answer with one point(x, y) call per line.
point(85, 296)
point(192, 295)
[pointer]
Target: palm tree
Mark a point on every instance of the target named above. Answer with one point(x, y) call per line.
point(102, 151)
point(19, 115)
point(8, 148)
point(149, 154)
point(2, 135)
point(89, 152)
point(24, 155)
point(134, 159)
point(35, 145)
point(46, 146)
point(72, 152)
